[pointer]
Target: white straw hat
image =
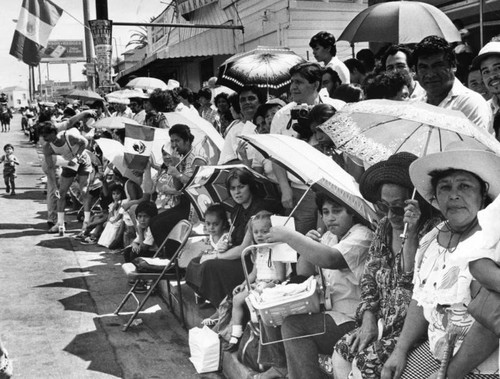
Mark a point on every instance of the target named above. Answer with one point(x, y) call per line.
point(466, 156)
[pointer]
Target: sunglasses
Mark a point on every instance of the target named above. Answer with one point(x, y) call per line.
point(385, 208)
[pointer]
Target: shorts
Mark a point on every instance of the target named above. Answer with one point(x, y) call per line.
point(84, 168)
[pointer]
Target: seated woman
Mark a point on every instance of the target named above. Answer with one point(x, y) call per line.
point(386, 284)
point(459, 181)
point(216, 278)
point(340, 253)
point(178, 167)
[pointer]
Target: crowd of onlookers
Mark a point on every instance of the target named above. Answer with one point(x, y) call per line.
point(392, 300)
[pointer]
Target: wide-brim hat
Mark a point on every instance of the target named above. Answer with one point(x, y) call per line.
point(394, 170)
point(491, 48)
point(466, 156)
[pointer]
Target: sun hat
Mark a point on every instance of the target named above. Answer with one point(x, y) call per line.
point(459, 155)
point(394, 170)
point(172, 83)
point(491, 48)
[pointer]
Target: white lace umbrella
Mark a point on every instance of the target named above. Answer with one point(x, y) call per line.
point(314, 169)
point(373, 130)
point(147, 83)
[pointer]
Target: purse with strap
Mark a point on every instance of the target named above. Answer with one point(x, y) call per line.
point(485, 307)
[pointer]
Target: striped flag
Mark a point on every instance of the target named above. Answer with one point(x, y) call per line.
point(36, 21)
point(141, 143)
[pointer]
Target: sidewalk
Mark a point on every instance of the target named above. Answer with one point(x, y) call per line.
point(58, 296)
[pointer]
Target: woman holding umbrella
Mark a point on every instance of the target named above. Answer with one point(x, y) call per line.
point(460, 181)
point(178, 166)
point(386, 284)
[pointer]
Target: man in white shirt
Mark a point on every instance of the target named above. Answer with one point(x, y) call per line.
point(488, 62)
point(136, 106)
point(304, 88)
point(435, 64)
point(324, 50)
point(399, 58)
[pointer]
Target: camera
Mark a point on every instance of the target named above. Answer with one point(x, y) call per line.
point(300, 121)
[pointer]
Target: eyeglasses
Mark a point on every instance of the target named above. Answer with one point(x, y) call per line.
point(385, 208)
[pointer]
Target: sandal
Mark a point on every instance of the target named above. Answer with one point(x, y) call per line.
point(210, 321)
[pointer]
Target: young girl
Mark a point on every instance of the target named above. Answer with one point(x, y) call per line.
point(265, 273)
point(9, 168)
point(115, 215)
point(217, 227)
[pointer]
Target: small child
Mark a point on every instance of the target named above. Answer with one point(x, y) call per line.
point(9, 161)
point(143, 244)
point(97, 225)
point(265, 273)
point(216, 226)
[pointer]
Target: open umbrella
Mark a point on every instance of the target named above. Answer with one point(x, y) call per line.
point(372, 130)
point(314, 169)
point(264, 67)
point(201, 129)
point(114, 152)
point(399, 22)
point(84, 95)
point(147, 83)
point(208, 186)
point(115, 122)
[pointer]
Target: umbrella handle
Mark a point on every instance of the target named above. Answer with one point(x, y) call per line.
point(404, 235)
point(298, 203)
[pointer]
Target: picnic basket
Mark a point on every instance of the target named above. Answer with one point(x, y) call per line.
point(272, 313)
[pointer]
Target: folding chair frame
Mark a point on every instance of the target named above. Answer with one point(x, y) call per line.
point(157, 277)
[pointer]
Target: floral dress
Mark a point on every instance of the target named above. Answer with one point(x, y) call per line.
point(385, 291)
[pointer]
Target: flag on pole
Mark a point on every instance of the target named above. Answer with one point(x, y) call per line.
point(36, 21)
point(142, 142)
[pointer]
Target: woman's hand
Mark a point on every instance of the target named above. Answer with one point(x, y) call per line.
point(172, 171)
point(239, 288)
point(136, 248)
point(278, 234)
point(315, 235)
point(241, 150)
point(412, 215)
point(366, 334)
point(394, 366)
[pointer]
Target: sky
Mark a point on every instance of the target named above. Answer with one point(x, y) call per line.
point(15, 73)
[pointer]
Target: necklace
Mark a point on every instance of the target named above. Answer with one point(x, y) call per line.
point(454, 233)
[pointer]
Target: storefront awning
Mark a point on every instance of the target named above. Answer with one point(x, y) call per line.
point(210, 43)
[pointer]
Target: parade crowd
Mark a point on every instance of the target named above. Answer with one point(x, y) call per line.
point(394, 303)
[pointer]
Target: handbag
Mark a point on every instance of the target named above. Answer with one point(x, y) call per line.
point(248, 349)
point(485, 307)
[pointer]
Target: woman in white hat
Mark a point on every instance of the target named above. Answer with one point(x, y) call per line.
point(459, 181)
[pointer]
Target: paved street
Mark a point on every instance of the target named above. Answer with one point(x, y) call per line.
point(57, 297)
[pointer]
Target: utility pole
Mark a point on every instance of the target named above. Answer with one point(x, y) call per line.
point(89, 51)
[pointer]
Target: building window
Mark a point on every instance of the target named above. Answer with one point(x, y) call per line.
point(18, 102)
point(24, 96)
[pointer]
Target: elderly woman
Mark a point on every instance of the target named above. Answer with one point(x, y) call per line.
point(386, 284)
point(178, 166)
point(215, 279)
point(459, 181)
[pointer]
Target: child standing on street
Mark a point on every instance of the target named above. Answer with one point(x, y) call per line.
point(9, 161)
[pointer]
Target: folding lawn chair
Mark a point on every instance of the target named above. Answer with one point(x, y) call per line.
point(174, 242)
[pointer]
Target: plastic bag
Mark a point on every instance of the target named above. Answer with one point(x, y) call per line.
point(204, 345)
point(109, 234)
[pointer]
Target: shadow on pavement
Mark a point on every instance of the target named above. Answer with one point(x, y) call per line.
point(80, 302)
point(24, 233)
point(27, 195)
point(55, 243)
point(94, 347)
point(77, 282)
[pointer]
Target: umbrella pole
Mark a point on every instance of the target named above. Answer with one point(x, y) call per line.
point(298, 203)
point(404, 235)
point(352, 49)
